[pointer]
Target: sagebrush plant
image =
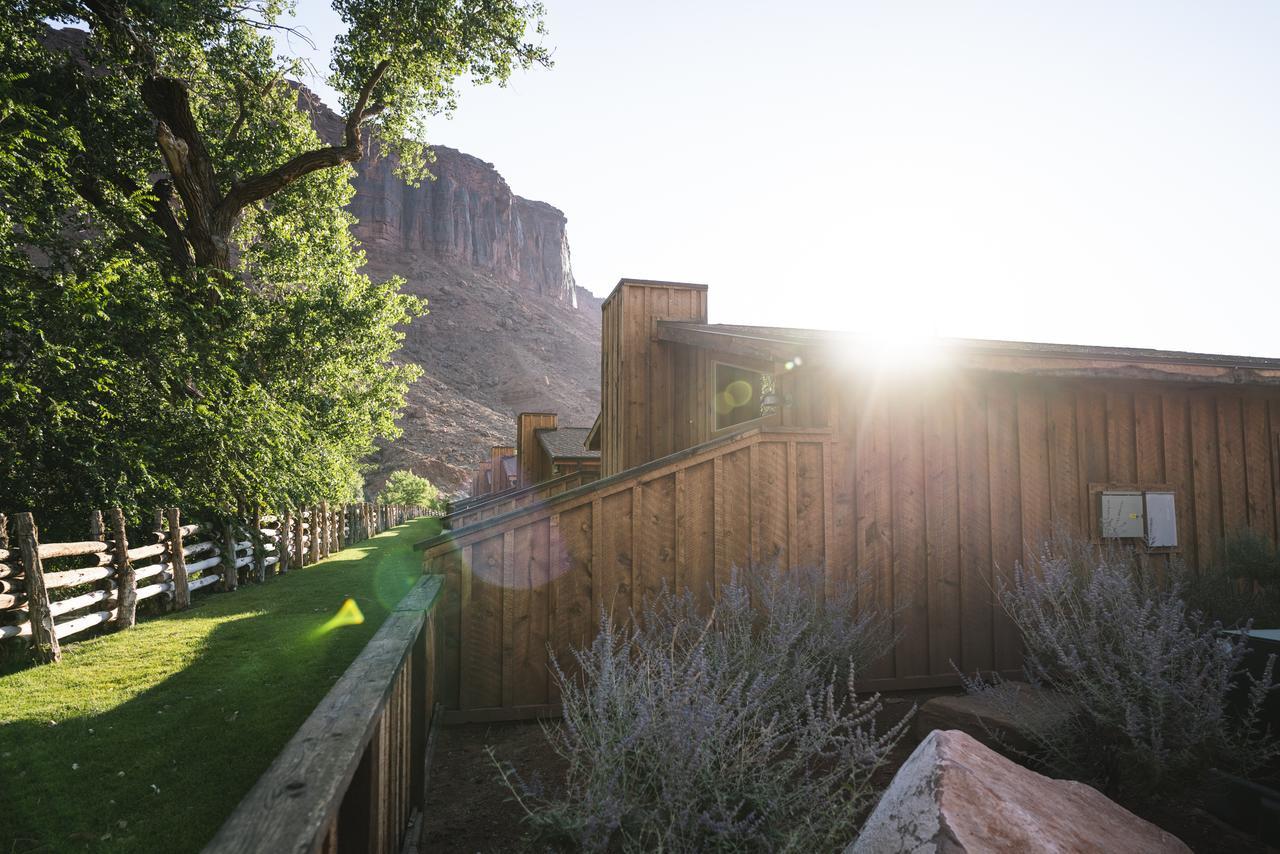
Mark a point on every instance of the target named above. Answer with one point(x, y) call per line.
point(737, 730)
point(1142, 680)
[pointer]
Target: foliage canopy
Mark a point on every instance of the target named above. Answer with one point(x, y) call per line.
point(182, 312)
point(405, 487)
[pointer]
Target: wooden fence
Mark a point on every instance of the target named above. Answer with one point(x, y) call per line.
point(489, 506)
point(537, 577)
point(353, 777)
point(115, 568)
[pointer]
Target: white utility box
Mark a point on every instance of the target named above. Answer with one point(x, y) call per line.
point(1122, 515)
point(1162, 520)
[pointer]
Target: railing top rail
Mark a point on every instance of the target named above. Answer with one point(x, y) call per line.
point(623, 479)
point(295, 801)
point(497, 497)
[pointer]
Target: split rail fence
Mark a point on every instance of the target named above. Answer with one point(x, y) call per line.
point(116, 568)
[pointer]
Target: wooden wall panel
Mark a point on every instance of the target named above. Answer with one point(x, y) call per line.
point(573, 620)
point(656, 551)
point(1066, 504)
point(874, 502)
point(910, 582)
point(769, 515)
point(1148, 437)
point(1257, 460)
point(810, 518)
point(1033, 472)
point(526, 625)
point(482, 578)
point(1176, 432)
point(1122, 462)
point(977, 577)
point(615, 555)
point(942, 515)
point(733, 514)
point(1206, 486)
point(1231, 477)
point(696, 528)
point(1006, 510)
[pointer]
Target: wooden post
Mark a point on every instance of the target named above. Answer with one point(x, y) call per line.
point(44, 640)
point(325, 525)
point(230, 575)
point(178, 562)
point(299, 554)
point(126, 585)
point(340, 523)
point(315, 534)
point(255, 537)
point(284, 534)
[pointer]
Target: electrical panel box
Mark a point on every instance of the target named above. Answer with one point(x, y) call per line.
point(1162, 520)
point(1122, 514)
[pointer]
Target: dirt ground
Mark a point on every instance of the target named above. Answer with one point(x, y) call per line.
point(470, 810)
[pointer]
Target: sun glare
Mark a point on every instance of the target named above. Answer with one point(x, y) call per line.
point(895, 352)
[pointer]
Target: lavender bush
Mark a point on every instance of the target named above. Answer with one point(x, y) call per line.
point(737, 731)
point(1141, 680)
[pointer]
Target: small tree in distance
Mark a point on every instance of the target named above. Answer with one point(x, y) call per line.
point(405, 487)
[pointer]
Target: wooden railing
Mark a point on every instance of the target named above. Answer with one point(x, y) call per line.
point(537, 577)
point(52, 591)
point(353, 778)
point(504, 502)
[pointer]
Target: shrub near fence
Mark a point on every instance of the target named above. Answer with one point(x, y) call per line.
point(115, 568)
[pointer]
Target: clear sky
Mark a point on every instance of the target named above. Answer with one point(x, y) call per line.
point(1079, 172)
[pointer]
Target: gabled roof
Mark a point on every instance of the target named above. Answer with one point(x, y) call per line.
point(509, 466)
point(567, 443)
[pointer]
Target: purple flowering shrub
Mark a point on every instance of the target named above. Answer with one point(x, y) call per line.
point(1142, 681)
point(734, 731)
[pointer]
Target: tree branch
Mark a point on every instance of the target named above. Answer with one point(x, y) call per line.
point(261, 186)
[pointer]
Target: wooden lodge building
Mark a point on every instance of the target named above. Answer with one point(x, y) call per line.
point(930, 474)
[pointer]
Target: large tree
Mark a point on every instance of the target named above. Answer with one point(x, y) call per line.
point(182, 312)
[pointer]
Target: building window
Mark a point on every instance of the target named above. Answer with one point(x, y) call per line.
point(738, 393)
point(1144, 514)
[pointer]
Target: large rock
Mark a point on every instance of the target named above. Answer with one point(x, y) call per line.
point(995, 718)
point(956, 795)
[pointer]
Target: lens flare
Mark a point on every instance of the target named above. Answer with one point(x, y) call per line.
point(348, 615)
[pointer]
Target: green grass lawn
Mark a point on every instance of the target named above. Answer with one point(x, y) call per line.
point(147, 739)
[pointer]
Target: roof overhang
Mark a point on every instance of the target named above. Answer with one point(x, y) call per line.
point(783, 345)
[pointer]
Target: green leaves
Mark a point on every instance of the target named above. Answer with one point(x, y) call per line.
point(405, 487)
point(129, 376)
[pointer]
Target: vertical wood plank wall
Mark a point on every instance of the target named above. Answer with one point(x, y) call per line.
point(544, 576)
point(528, 452)
point(951, 486)
point(931, 493)
point(638, 396)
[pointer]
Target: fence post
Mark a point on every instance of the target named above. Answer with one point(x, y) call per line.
point(340, 526)
point(178, 562)
point(326, 527)
point(284, 537)
point(126, 584)
point(230, 575)
point(98, 531)
point(44, 639)
point(255, 537)
point(315, 534)
point(298, 538)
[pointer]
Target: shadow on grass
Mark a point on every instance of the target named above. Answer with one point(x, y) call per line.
point(146, 740)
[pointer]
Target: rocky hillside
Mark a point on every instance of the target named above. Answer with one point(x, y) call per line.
point(508, 329)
